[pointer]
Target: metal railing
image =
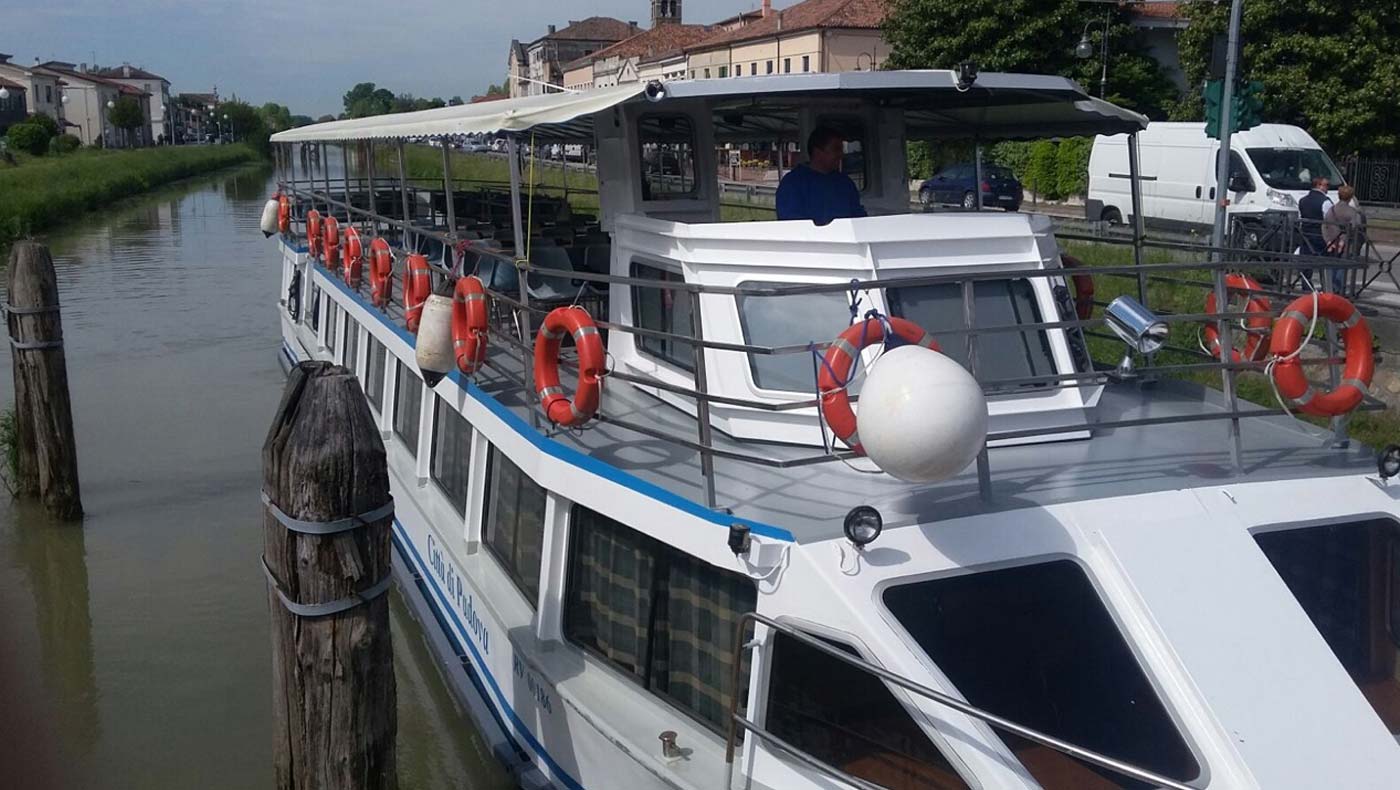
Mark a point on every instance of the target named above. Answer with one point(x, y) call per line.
point(738, 722)
point(525, 315)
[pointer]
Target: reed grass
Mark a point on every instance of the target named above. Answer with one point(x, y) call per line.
point(43, 192)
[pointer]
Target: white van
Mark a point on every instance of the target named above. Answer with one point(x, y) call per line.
point(1271, 168)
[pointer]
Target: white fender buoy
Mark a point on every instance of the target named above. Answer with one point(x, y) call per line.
point(434, 353)
point(922, 417)
point(269, 218)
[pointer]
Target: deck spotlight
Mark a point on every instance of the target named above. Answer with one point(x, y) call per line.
point(739, 539)
point(1388, 462)
point(967, 74)
point(655, 91)
point(863, 525)
point(1139, 328)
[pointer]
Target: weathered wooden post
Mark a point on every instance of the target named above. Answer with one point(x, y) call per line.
point(326, 552)
point(48, 454)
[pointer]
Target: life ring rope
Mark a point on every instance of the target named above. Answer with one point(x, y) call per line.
point(1256, 329)
point(470, 324)
point(592, 366)
point(834, 375)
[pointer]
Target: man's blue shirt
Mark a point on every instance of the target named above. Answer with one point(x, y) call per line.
point(821, 197)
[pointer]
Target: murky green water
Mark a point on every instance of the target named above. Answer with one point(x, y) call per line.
point(134, 649)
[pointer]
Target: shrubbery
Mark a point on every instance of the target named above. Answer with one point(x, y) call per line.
point(31, 138)
point(64, 144)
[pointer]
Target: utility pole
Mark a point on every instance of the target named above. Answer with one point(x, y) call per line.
point(1227, 122)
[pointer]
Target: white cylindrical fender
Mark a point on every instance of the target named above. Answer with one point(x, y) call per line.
point(269, 218)
point(434, 353)
point(921, 416)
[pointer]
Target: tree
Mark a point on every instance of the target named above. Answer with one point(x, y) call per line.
point(365, 99)
point(125, 113)
point(455, 101)
point(28, 137)
point(1326, 68)
point(496, 90)
point(1072, 166)
point(276, 117)
point(325, 119)
point(245, 123)
point(1035, 36)
point(1041, 177)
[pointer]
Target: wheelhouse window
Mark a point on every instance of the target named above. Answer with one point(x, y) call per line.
point(662, 310)
point(408, 401)
point(374, 373)
point(1036, 645)
point(796, 320)
point(514, 522)
point(1000, 355)
point(852, 129)
point(1346, 577)
point(662, 616)
point(667, 157)
point(452, 443)
point(849, 719)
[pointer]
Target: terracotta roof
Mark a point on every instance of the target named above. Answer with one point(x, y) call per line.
point(594, 28)
point(86, 76)
point(1159, 10)
point(115, 73)
point(489, 97)
point(808, 15)
point(660, 39)
point(4, 83)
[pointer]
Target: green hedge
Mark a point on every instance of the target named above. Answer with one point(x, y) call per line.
point(43, 192)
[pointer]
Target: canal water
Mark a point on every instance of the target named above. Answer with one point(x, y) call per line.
point(134, 649)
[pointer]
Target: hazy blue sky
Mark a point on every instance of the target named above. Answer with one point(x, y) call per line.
point(306, 55)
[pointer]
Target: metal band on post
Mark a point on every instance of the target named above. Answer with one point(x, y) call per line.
point(328, 527)
point(330, 607)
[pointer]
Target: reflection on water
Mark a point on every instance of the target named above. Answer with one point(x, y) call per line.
point(134, 650)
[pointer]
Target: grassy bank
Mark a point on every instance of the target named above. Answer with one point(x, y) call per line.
point(1186, 294)
point(43, 192)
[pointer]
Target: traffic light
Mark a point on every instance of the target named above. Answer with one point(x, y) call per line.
point(1214, 97)
point(1246, 107)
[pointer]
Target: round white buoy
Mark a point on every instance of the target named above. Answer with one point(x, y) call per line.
point(434, 353)
point(921, 416)
point(269, 218)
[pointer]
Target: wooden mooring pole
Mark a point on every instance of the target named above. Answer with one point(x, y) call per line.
point(47, 465)
point(326, 551)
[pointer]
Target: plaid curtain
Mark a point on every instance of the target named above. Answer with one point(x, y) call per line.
point(610, 596)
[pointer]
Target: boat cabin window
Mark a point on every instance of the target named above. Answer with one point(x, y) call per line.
point(352, 345)
point(667, 145)
point(408, 400)
point(513, 525)
point(1000, 355)
point(795, 320)
point(332, 325)
point(1036, 645)
point(374, 373)
point(452, 443)
point(313, 316)
point(850, 720)
point(662, 310)
point(662, 616)
point(852, 129)
point(1346, 577)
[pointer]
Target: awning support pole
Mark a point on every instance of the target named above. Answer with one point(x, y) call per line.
point(523, 312)
point(404, 242)
point(447, 191)
point(373, 202)
point(345, 165)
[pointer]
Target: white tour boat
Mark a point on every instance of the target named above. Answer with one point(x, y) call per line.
point(669, 572)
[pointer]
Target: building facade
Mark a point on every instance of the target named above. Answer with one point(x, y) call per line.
point(153, 85)
point(43, 93)
point(533, 67)
point(87, 98)
point(193, 117)
point(811, 36)
point(12, 103)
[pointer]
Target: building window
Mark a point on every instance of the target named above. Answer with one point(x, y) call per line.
point(48, 94)
point(790, 320)
point(1000, 355)
point(770, 67)
point(662, 310)
point(1036, 645)
point(662, 616)
point(408, 400)
point(707, 73)
point(692, 73)
point(374, 376)
point(452, 444)
point(514, 522)
point(787, 65)
point(667, 157)
point(352, 344)
point(806, 63)
point(724, 71)
point(848, 718)
point(738, 69)
point(1346, 578)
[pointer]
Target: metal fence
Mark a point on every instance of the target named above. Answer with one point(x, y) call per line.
point(1377, 181)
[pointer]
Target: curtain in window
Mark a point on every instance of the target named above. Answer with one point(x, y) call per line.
point(610, 600)
point(693, 655)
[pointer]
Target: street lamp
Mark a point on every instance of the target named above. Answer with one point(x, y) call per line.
point(1085, 49)
point(4, 93)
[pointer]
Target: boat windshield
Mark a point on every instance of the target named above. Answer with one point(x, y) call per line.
point(1294, 168)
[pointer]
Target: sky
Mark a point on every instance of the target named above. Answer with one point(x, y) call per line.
point(307, 56)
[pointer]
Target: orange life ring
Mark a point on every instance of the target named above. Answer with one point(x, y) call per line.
point(284, 213)
point(313, 233)
point(1256, 348)
point(331, 241)
point(381, 272)
point(417, 285)
point(354, 257)
point(469, 324)
point(840, 358)
point(592, 364)
point(1083, 288)
point(1288, 375)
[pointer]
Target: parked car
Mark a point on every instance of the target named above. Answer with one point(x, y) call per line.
point(1271, 169)
point(954, 185)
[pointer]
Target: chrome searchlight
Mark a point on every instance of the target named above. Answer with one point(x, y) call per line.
point(863, 525)
point(1139, 328)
